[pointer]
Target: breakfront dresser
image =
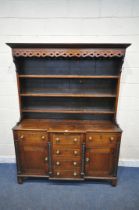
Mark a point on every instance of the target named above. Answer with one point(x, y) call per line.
point(68, 96)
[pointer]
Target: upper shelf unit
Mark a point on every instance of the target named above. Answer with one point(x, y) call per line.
point(68, 81)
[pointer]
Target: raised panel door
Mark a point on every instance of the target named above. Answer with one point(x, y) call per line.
point(100, 161)
point(32, 154)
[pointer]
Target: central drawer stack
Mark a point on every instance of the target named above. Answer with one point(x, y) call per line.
point(66, 155)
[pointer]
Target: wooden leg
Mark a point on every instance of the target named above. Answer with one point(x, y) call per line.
point(114, 182)
point(20, 180)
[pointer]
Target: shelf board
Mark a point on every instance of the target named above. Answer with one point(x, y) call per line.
point(68, 95)
point(72, 111)
point(71, 76)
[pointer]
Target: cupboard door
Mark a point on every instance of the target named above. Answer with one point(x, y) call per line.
point(100, 161)
point(32, 152)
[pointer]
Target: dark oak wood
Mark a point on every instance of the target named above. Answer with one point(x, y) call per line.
point(69, 45)
point(68, 99)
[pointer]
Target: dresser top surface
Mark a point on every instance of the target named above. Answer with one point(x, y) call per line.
point(67, 125)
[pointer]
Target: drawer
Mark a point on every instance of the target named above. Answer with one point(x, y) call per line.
point(94, 139)
point(66, 165)
point(73, 139)
point(60, 158)
point(66, 146)
point(62, 154)
point(59, 151)
point(66, 173)
point(31, 136)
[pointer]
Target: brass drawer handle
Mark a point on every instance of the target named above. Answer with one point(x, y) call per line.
point(46, 159)
point(111, 138)
point(58, 163)
point(87, 160)
point(75, 140)
point(90, 138)
point(58, 173)
point(21, 137)
point(57, 152)
point(57, 140)
point(75, 152)
point(74, 174)
point(43, 137)
point(66, 132)
point(75, 163)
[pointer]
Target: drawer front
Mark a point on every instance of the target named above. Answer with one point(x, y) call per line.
point(60, 158)
point(66, 153)
point(96, 139)
point(66, 165)
point(68, 139)
point(32, 136)
point(65, 146)
point(67, 173)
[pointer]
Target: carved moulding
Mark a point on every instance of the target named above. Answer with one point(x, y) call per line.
point(60, 52)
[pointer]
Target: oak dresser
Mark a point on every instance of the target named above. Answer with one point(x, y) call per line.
point(68, 97)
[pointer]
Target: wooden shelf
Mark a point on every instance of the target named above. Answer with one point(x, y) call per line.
point(72, 76)
point(67, 95)
point(67, 92)
point(76, 111)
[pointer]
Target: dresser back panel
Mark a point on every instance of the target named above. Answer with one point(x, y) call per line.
point(68, 103)
point(68, 85)
point(66, 66)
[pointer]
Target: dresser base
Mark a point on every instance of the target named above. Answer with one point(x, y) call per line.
point(113, 180)
point(67, 150)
